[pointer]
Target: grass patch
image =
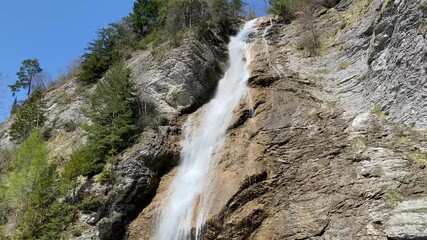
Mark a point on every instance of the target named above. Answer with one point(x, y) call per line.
point(90, 204)
point(357, 11)
point(378, 111)
point(358, 142)
point(402, 140)
point(106, 176)
point(393, 197)
point(418, 157)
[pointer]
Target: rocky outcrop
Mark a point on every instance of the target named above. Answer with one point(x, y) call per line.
point(326, 146)
point(408, 221)
point(372, 55)
point(180, 79)
point(323, 146)
point(171, 81)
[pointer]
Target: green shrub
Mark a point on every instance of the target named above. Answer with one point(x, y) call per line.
point(106, 177)
point(378, 111)
point(176, 41)
point(90, 204)
point(155, 38)
point(83, 162)
point(418, 157)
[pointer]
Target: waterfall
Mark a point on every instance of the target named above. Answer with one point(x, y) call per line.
point(189, 194)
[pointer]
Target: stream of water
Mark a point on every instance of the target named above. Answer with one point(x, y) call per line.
point(188, 205)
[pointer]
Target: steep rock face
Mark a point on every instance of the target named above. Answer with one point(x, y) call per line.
point(180, 79)
point(326, 170)
point(372, 54)
point(319, 149)
point(170, 81)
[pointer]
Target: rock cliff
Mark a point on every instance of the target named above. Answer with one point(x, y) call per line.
point(327, 145)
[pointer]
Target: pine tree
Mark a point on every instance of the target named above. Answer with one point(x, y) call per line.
point(144, 17)
point(102, 53)
point(26, 75)
point(28, 117)
point(112, 111)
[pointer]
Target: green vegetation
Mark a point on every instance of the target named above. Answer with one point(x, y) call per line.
point(393, 197)
point(30, 182)
point(29, 193)
point(90, 204)
point(153, 21)
point(28, 117)
point(26, 76)
point(378, 111)
point(418, 157)
point(145, 17)
point(113, 112)
point(286, 9)
point(305, 11)
point(358, 143)
point(102, 53)
point(83, 162)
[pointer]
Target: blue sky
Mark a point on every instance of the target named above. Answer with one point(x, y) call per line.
point(55, 32)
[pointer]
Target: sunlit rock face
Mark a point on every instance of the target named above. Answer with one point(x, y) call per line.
point(318, 149)
point(320, 146)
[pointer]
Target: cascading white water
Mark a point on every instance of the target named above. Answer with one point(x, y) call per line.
point(186, 206)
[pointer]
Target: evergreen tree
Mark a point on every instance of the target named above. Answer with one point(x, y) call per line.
point(112, 111)
point(45, 217)
point(185, 13)
point(28, 117)
point(144, 17)
point(26, 75)
point(102, 53)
